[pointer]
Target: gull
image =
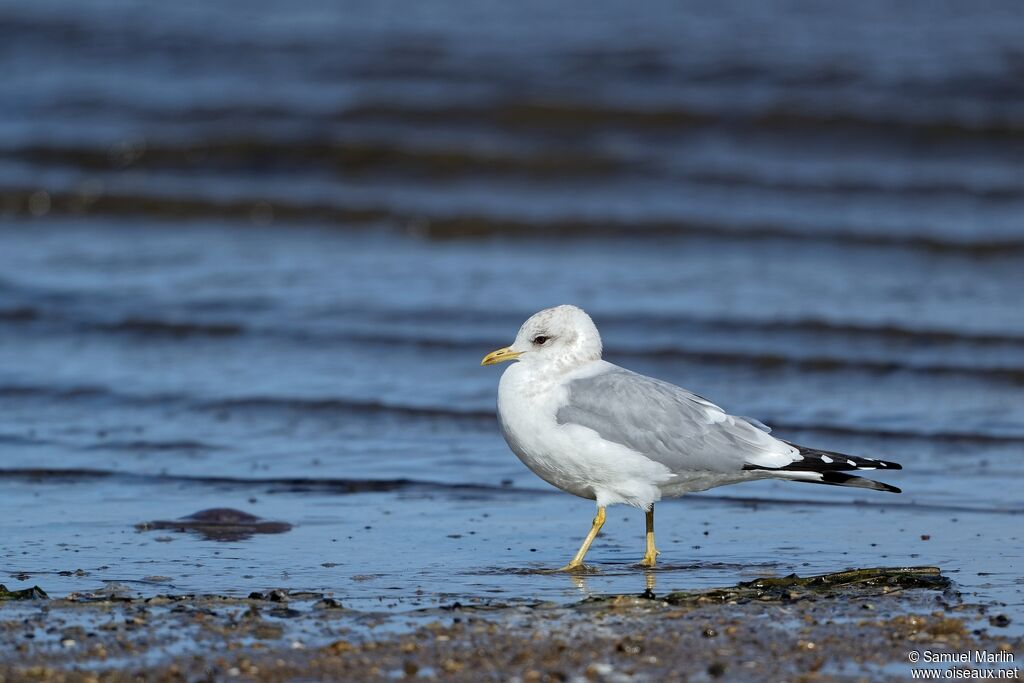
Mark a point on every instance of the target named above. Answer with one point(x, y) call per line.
point(601, 432)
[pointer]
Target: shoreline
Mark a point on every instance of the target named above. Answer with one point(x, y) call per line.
point(854, 625)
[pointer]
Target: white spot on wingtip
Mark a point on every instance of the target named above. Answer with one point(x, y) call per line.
point(850, 462)
point(825, 458)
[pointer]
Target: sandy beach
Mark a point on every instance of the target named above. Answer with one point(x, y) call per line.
point(843, 627)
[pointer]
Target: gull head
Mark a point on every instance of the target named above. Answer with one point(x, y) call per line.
point(563, 336)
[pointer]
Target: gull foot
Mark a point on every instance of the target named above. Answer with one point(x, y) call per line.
point(650, 559)
point(575, 568)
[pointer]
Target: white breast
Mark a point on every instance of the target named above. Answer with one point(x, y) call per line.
point(571, 457)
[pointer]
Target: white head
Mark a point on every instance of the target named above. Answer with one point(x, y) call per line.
point(562, 337)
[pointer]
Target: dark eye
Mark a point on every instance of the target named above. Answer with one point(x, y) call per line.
point(540, 339)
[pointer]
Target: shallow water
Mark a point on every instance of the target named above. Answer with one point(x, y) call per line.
point(260, 273)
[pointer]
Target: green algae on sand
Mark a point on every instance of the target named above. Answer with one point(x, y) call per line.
point(880, 580)
point(33, 593)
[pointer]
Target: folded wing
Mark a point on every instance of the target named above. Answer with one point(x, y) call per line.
point(669, 424)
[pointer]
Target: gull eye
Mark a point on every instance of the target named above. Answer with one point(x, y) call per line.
point(540, 339)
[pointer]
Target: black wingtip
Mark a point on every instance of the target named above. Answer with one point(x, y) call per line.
point(815, 459)
point(843, 479)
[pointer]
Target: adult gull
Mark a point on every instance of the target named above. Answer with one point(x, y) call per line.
point(604, 433)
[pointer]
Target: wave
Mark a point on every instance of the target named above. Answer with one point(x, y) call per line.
point(758, 360)
point(349, 486)
point(895, 123)
point(373, 408)
point(884, 331)
point(271, 484)
point(779, 117)
point(881, 331)
point(255, 403)
point(20, 314)
point(131, 324)
point(761, 361)
point(927, 189)
point(944, 435)
point(340, 405)
point(346, 158)
point(355, 157)
point(146, 446)
point(28, 202)
point(823, 364)
point(169, 328)
point(882, 334)
point(72, 392)
point(21, 440)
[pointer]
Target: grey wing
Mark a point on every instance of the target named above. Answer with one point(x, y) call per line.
point(669, 424)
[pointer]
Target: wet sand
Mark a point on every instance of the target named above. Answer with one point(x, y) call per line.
point(848, 626)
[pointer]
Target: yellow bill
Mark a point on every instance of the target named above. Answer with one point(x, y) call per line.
point(500, 356)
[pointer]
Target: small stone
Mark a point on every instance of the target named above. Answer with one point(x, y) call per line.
point(327, 603)
point(630, 645)
point(339, 646)
point(451, 666)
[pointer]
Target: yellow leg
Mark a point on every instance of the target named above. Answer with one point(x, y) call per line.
point(595, 527)
point(652, 553)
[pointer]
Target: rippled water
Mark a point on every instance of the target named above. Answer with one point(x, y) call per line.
point(251, 255)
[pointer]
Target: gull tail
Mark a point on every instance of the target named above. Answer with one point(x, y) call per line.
point(828, 467)
point(836, 479)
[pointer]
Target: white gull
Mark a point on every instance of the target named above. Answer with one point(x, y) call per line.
point(604, 433)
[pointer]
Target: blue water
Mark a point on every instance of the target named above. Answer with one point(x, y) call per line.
point(251, 256)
